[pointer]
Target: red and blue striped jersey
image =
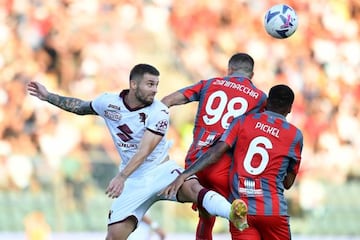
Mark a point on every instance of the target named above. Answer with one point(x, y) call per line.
point(265, 147)
point(220, 100)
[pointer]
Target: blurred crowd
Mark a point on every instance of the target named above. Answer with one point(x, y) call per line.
point(84, 47)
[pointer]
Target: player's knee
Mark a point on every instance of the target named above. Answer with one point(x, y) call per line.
point(189, 191)
point(116, 236)
point(121, 230)
point(111, 236)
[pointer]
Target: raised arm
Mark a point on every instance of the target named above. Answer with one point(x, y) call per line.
point(73, 105)
point(175, 98)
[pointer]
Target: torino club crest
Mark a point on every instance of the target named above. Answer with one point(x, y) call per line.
point(142, 117)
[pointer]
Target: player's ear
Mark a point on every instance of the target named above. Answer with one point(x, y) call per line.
point(289, 109)
point(251, 75)
point(133, 83)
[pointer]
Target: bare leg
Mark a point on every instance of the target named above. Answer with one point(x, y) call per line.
point(189, 191)
point(121, 230)
point(212, 202)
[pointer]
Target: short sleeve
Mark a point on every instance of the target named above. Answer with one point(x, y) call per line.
point(158, 121)
point(99, 104)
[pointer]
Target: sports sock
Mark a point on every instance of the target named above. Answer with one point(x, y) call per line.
point(205, 227)
point(214, 203)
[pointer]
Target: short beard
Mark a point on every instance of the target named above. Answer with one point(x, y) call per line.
point(141, 99)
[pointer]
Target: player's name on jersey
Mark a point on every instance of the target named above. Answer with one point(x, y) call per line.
point(240, 87)
point(268, 129)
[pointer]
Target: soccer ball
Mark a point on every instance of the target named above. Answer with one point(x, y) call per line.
point(280, 21)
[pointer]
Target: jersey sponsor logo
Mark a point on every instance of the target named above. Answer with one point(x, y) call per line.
point(125, 133)
point(128, 145)
point(250, 187)
point(162, 126)
point(113, 106)
point(112, 115)
point(207, 139)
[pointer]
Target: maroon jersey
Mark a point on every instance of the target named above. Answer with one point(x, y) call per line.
point(220, 101)
point(265, 147)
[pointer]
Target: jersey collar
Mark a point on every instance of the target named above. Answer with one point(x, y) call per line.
point(274, 114)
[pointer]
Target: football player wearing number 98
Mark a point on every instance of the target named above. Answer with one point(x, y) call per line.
point(266, 159)
point(221, 99)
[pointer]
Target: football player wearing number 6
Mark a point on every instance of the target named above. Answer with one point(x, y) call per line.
point(267, 154)
point(221, 99)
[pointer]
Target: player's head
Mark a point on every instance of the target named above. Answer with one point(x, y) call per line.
point(241, 63)
point(138, 71)
point(280, 99)
point(144, 80)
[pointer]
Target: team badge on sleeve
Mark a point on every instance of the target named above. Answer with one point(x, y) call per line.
point(162, 126)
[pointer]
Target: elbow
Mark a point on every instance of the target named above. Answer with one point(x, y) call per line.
point(287, 185)
point(289, 181)
point(166, 101)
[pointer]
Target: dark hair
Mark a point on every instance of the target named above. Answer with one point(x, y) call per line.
point(242, 62)
point(138, 71)
point(280, 97)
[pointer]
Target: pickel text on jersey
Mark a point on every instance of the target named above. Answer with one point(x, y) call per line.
point(268, 129)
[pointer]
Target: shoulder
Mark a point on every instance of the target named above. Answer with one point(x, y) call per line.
point(262, 94)
point(159, 104)
point(296, 132)
point(159, 107)
point(240, 119)
point(107, 95)
point(299, 133)
point(102, 99)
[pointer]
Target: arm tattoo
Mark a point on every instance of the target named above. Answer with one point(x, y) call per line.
point(70, 104)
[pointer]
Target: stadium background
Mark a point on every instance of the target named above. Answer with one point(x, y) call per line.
point(54, 166)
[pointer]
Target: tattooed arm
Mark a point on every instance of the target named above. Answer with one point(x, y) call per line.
point(69, 104)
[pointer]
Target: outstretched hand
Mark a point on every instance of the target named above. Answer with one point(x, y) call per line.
point(38, 90)
point(171, 190)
